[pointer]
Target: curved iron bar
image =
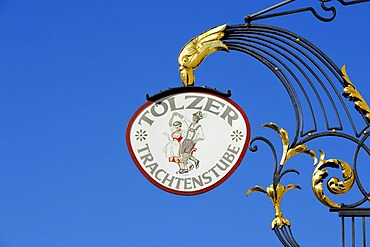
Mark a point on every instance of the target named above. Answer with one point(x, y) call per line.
point(285, 236)
point(322, 57)
point(270, 8)
point(309, 80)
point(289, 70)
point(292, 236)
point(278, 174)
point(335, 134)
point(302, 42)
point(288, 236)
point(237, 37)
point(307, 57)
point(352, 2)
point(280, 237)
point(281, 76)
point(240, 31)
point(283, 65)
point(357, 178)
point(282, 174)
point(272, 67)
point(316, 65)
point(270, 145)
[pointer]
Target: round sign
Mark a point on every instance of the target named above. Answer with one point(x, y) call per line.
point(188, 143)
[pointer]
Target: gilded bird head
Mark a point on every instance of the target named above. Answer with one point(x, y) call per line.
point(187, 76)
point(196, 50)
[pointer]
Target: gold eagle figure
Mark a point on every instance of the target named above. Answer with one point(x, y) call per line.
point(197, 49)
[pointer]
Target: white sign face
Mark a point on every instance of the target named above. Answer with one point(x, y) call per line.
point(188, 143)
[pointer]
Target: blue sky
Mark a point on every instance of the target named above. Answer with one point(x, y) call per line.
point(72, 73)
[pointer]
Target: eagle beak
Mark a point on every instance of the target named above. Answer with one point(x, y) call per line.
point(187, 76)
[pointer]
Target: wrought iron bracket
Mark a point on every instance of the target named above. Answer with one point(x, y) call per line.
point(333, 12)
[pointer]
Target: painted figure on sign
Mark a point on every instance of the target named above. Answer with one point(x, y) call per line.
point(182, 140)
point(172, 149)
point(193, 133)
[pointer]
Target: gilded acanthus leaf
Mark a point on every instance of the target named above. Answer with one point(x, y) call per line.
point(296, 150)
point(256, 188)
point(292, 186)
point(289, 152)
point(271, 125)
point(282, 133)
point(276, 191)
point(284, 139)
point(276, 194)
point(354, 95)
point(338, 187)
point(299, 150)
point(334, 185)
point(312, 154)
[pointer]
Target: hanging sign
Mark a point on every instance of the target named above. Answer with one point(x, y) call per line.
point(188, 142)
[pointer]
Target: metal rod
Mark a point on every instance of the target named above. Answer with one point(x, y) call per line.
point(291, 234)
point(343, 238)
point(353, 232)
point(271, 8)
point(364, 231)
point(352, 2)
point(308, 9)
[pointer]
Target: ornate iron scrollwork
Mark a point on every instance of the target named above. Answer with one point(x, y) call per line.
point(300, 67)
point(280, 225)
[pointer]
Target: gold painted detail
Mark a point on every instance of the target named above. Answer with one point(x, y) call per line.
point(354, 95)
point(289, 152)
point(196, 50)
point(275, 195)
point(334, 185)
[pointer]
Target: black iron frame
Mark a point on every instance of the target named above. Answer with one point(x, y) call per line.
point(294, 60)
point(353, 214)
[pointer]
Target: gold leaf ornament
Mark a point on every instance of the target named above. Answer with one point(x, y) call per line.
point(196, 50)
point(334, 185)
point(289, 152)
point(354, 95)
point(275, 195)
